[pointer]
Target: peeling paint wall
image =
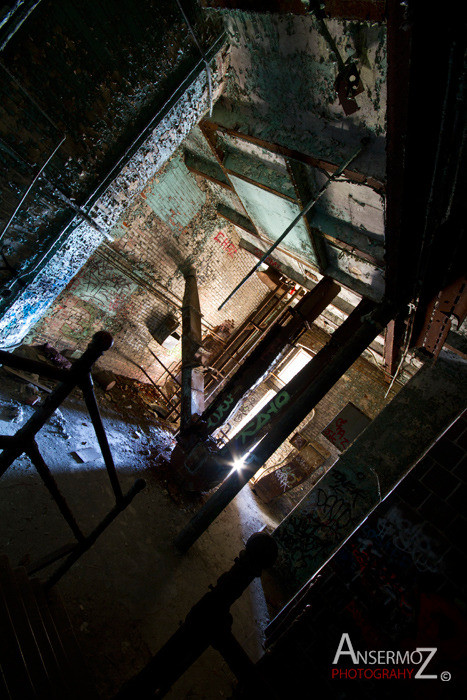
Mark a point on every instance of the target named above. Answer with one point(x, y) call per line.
point(135, 281)
point(281, 85)
point(165, 138)
point(102, 79)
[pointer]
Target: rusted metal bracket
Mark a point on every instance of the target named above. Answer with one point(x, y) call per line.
point(450, 302)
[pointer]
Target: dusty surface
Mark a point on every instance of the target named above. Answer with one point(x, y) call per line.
point(127, 595)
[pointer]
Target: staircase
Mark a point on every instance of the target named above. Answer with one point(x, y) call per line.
point(39, 654)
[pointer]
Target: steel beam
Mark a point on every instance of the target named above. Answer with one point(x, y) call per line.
point(274, 345)
point(284, 413)
point(393, 340)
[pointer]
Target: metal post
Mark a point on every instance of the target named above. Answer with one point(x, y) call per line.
point(86, 386)
point(305, 390)
point(276, 340)
point(192, 397)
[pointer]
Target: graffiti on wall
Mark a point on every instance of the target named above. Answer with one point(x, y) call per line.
point(263, 417)
point(100, 284)
point(229, 247)
point(323, 520)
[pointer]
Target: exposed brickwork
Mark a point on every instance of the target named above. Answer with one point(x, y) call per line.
point(137, 277)
point(398, 583)
point(363, 384)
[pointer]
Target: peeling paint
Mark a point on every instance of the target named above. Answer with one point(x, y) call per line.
point(68, 258)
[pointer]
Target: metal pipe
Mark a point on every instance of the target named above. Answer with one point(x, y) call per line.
point(303, 212)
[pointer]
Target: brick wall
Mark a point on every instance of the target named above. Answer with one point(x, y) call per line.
point(137, 278)
point(398, 583)
point(363, 384)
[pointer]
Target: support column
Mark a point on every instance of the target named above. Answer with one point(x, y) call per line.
point(276, 343)
point(280, 417)
point(370, 469)
point(192, 396)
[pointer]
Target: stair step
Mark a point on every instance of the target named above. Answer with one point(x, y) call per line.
point(70, 643)
point(56, 644)
point(14, 669)
point(57, 686)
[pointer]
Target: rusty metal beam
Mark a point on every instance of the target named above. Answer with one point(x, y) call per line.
point(280, 417)
point(298, 175)
point(450, 302)
point(326, 166)
point(393, 340)
point(279, 339)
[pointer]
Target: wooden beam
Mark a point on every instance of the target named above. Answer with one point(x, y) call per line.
point(326, 166)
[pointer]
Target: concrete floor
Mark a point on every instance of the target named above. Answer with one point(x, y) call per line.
point(127, 595)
